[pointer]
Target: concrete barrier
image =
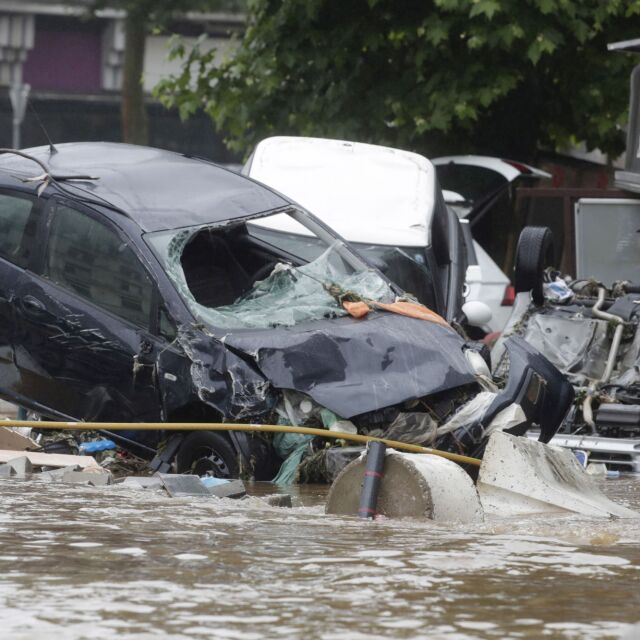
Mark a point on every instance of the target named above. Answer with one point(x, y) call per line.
point(414, 486)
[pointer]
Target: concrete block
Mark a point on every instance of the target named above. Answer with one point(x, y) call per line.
point(6, 471)
point(21, 466)
point(413, 486)
point(519, 476)
point(55, 474)
point(92, 478)
point(230, 489)
point(39, 459)
point(178, 485)
point(15, 441)
point(141, 482)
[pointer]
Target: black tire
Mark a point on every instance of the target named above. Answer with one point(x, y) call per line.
point(207, 453)
point(534, 253)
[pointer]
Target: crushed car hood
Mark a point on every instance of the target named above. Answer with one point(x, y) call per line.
point(356, 366)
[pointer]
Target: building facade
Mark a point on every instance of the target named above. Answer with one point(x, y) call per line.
point(72, 60)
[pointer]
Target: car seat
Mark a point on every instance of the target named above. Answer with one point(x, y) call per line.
point(213, 274)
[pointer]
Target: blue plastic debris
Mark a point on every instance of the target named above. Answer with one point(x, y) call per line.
point(96, 445)
point(223, 488)
point(210, 481)
point(582, 456)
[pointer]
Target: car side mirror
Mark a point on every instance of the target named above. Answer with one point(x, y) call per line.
point(478, 313)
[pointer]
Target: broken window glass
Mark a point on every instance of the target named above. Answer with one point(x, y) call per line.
point(233, 276)
point(406, 266)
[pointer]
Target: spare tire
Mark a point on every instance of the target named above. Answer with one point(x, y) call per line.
point(534, 253)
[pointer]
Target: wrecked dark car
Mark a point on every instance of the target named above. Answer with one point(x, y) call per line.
point(134, 287)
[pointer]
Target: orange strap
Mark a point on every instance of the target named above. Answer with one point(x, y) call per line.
point(410, 309)
point(356, 309)
point(413, 310)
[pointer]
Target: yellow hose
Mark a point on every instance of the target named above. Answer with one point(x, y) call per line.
point(228, 426)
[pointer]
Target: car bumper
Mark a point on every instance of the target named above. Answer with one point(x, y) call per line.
point(619, 454)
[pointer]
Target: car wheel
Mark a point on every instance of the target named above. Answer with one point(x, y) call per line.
point(207, 453)
point(534, 253)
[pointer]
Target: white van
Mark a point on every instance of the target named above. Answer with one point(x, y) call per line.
point(388, 204)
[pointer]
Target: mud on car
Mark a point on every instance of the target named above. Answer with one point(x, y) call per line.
point(136, 285)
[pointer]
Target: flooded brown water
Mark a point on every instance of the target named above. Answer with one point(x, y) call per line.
point(79, 562)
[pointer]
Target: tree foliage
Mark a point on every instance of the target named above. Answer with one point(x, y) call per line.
point(500, 76)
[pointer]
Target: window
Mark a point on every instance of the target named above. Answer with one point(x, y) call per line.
point(232, 277)
point(406, 267)
point(300, 244)
point(91, 260)
point(469, 181)
point(18, 228)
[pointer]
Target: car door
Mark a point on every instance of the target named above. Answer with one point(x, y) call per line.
point(19, 215)
point(84, 348)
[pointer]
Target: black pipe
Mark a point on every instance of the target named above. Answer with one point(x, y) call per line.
point(373, 474)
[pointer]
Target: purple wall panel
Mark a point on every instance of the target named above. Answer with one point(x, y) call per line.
point(65, 61)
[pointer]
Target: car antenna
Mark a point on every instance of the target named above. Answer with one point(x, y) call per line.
point(52, 148)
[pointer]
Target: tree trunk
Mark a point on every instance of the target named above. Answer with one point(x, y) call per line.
point(134, 114)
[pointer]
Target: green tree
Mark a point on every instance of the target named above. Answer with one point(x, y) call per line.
point(142, 17)
point(501, 76)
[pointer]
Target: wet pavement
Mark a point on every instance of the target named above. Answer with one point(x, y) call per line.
point(79, 562)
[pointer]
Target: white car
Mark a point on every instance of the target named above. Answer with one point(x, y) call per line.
point(471, 185)
point(384, 201)
point(476, 177)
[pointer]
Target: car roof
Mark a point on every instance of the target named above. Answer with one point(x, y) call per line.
point(367, 193)
point(157, 189)
point(509, 169)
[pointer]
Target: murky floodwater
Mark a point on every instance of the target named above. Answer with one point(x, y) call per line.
point(79, 562)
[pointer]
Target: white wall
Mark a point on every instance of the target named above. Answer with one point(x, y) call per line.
point(157, 65)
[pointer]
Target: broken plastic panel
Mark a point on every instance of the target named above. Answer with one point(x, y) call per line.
point(230, 279)
point(568, 342)
point(467, 413)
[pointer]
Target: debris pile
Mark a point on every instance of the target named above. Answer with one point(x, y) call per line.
point(97, 470)
point(517, 476)
point(591, 334)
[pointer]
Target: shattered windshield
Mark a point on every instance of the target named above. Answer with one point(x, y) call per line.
point(404, 266)
point(232, 278)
